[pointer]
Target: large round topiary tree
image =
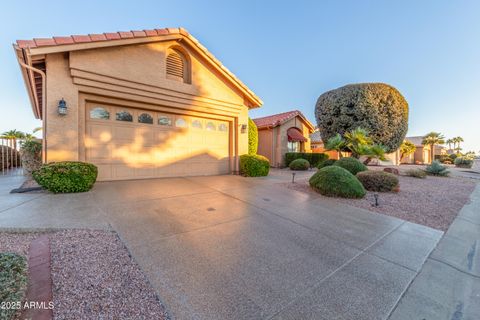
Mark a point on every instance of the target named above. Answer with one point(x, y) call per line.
point(377, 107)
point(252, 137)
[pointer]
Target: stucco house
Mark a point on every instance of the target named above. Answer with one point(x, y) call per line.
point(138, 104)
point(317, 145)
point(422, 152)
point(282, 133)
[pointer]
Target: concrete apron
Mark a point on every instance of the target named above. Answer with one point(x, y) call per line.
point(228, 247)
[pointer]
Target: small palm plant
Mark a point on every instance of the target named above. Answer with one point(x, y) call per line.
point(335, 143)
point(432, 139)
point(406, 149)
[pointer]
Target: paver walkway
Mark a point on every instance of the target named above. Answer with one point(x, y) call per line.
point(228, 247)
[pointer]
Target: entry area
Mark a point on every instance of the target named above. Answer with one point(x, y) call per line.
point(130, 143)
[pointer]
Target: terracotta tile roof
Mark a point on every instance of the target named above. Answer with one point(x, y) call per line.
point(58, 41)
point(276, 119)
point(280, 118)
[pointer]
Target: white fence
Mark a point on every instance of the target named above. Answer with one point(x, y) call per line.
point(10, 156)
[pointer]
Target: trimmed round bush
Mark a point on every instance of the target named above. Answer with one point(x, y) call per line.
point(377, 107)
point(252, 137)
point(326, 163)
point(351, 164)
point(67, 176)
point(379, 181)
point(254, 165)
point(335, 181)
point(299, 164)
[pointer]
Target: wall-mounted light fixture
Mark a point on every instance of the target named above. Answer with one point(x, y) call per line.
point(62, 107)
point(243, 128)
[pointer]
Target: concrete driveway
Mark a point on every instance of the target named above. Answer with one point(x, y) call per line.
point(228, 247)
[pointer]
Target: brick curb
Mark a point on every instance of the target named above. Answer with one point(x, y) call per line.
point(40, 282)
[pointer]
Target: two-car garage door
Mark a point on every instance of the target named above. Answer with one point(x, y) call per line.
point(127, 143)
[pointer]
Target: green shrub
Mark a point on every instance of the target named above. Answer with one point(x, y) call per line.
point(31, 155)
point(453, 156)
point(326, 163)
point(463, 162)
point(13, 281)
point(66, 177)
point(313, 158)
point(254, 165)
point(376, 107)
point(437, 169)
point(351, 164)
point(299, 164)
point(335, 181)
point(379, 181)
point(252, 137)
point(416, 173)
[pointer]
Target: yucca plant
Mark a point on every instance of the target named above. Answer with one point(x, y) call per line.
point(437, 169)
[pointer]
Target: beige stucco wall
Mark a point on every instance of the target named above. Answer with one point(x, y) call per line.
point(134, 76)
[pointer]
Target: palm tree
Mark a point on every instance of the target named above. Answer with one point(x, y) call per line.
point(335, 143)
point(357, 141)
point(13, 135)
point(406, 149)
point(432, 139)
point(458, 140)
point(450, 142)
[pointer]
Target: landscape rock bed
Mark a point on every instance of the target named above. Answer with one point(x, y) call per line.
point(433, 202)
point(93, 275)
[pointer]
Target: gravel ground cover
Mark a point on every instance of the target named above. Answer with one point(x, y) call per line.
point(93, 275)
point(433, 202)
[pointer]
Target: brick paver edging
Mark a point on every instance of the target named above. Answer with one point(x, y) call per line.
point(39, 292)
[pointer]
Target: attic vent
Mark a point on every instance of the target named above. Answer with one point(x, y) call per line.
point(175, 66)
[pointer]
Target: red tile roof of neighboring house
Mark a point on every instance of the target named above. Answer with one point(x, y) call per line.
point(278, 119)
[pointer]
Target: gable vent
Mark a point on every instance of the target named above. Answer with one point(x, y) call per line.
point(175, 65)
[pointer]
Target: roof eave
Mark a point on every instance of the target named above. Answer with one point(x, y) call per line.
point(27, 79)
point(253, 100)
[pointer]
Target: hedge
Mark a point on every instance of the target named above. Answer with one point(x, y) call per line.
point(254, 165)
point(67, 176)
point(299, 164)
point(252, 137)
point(313, 158)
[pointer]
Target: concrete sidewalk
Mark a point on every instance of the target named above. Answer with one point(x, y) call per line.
point(448, 286)
point(228, 247)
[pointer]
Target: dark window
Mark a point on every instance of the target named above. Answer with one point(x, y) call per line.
point(99, 113)
point(124, 116)
point(145, 118)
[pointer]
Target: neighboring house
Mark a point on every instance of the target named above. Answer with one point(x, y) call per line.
point(139, 104)
point(422, 152)
point(282, 133)
point(317, 145)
